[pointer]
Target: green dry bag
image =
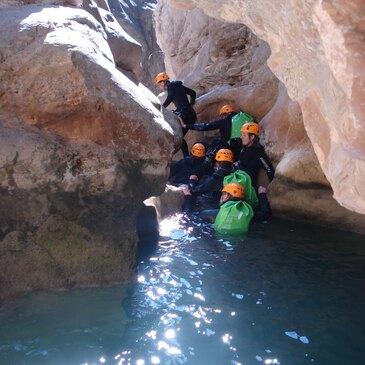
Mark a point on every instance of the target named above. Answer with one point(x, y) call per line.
point(244, 179)
point(233, 217)
point(237, 122)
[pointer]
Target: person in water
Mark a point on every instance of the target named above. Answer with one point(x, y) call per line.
point(194, 164)
point(253, 156)
point(212, 186)
point(235, 214)
point(223, 123)
point(177, 93)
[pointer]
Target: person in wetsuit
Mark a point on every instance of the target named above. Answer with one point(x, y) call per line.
point(194, 164)
point(253, 156)
point(223, 123)
point(236, 217)
point(209, 189)
point(177, 94)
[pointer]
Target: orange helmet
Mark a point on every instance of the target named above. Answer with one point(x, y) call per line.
point(251, 127)
point(198, 150)
point(224, 154)
point(235, 189)
point(162, 76)
point(226, 109)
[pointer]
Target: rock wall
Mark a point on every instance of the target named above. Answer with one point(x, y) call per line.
point(81, 147)
point(136, 17)
point(307, 138)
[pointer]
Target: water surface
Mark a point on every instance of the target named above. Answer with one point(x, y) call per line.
point(288, 293)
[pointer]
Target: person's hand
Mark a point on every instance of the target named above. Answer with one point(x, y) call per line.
point(193, 177)
point(185, 190)
point(261, 189)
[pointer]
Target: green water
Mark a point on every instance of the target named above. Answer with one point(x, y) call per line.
point(288, 293)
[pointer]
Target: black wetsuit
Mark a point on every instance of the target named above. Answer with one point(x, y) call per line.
point(252, 159)
point(210, 188)
point(223, 124)
point(183, 169)
point(177, 94)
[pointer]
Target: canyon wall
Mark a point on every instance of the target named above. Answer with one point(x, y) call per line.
point(279, 64)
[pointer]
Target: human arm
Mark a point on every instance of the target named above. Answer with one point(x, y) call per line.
point(191, 93)
point(215, 124)
point(170, 96)
point(263, 211)
point(267, 166)
point(207, 186)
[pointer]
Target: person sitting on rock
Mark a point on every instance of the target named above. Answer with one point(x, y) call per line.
point(177, 94)
point(235, 214)
point(210, 189)
point(253, 156)
point(194, 164)
point(223, 123)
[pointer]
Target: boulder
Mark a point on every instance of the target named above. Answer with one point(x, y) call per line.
point(81, 147)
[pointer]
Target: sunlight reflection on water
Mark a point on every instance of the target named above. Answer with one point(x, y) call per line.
point(285, 294)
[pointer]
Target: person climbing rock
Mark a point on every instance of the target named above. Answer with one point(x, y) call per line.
point(177, 94)
point(235, 214)
point(211, 187)
point(194, 164)
point(223, 123)
point(253, 156)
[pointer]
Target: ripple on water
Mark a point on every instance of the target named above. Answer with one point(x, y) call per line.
point(283, 294)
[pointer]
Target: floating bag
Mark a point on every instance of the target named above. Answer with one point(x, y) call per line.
point(233, 217)
point(237, 122)
point(244, 179)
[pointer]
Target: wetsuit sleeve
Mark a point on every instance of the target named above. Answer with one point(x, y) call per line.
point(216, 124)
point(267, 166)
point(208, 214)
point(204, 169)
point(191, 93)
point(263, 211)
point(207, 186)
point(170, 96)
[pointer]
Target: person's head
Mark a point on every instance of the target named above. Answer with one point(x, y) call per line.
point(226, 109)
point(162, 80)
point(198, 150)
point(224, 158)
point(249, 133)
point(232, 191)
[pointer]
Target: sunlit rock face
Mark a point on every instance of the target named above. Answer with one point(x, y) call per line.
point(9, 3)
point(119, 41)
point(136, 18)
point(317, 50)
point(81, 147)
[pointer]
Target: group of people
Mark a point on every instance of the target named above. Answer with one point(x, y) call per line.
point(220, 179)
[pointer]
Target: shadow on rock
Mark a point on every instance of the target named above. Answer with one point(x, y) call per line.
point(148, 231)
